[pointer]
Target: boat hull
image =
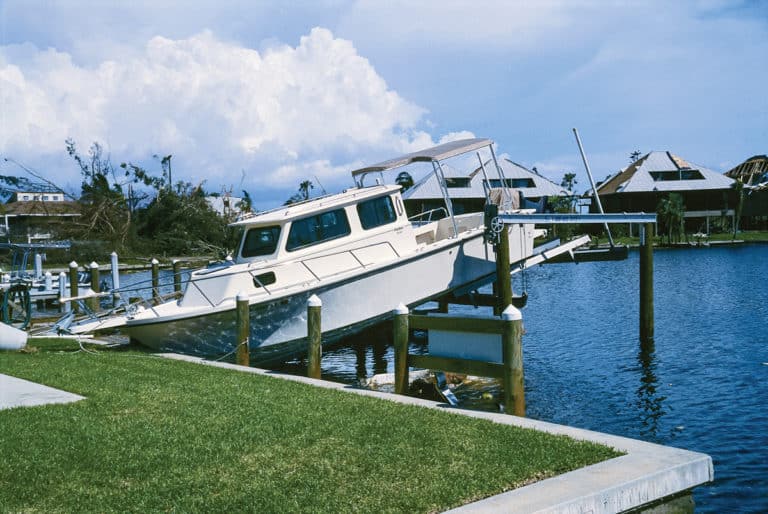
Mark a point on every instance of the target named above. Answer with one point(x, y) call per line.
point(278, 326)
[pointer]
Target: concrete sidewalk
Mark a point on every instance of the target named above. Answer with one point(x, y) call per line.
point(647, 473)
point(15, 392)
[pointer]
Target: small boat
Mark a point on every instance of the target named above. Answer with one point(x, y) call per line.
point(356, 250)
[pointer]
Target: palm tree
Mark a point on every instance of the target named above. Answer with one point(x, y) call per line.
point(671, 211)
point(738, 186)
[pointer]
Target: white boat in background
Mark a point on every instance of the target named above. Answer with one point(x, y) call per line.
point(356, 250)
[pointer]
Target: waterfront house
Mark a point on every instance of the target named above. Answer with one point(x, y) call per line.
point(753, 173)
point(467, 190)
point(707, 195)
point(34, 215)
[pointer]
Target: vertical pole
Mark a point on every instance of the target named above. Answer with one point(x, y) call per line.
point(48, 281)
point(38, 266)
point(176, 275)
point(503, 278)
point(243, 330)
point(401, 349)
point(63, 306)
point(512, 352)
point(115, 269)
point(95, 286)
point(155, 279)
point(314, 336)
point(73, 283)
point(442, 305)
point(646, 282)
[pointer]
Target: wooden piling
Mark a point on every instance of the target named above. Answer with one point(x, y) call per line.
point(73, 289)
point(646, 283)
point(503, 278)
point(155, 279)
point(115, 270)
point(176, 275)
point(401, 349)
point(94, 303)
point(243, 330)
point(314, 336)
point(512, 355)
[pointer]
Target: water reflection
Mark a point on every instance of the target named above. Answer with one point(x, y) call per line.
point(649, 402)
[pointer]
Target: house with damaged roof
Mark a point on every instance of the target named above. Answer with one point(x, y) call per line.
point(468, 190)
point(707, 195)
point(34, 215)
point(753, 174)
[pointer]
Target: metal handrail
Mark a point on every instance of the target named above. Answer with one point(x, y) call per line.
point(430, 212)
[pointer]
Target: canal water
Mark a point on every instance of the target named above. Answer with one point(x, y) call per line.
point(702, 385)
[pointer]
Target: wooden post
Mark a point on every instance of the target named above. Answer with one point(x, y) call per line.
point(646, 282)
point(177, 275)
point(401, 349)
point(73, 283)
point(63, 306)
point(512, 352)
point(38, 266)
point(503, 278)
point(95, 287)
point(442, 305)
point(155, 279)
point(314, 336)
point(243, 330)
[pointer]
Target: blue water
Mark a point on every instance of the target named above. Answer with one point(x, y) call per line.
point(702, 385)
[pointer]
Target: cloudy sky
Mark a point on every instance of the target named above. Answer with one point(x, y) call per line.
point(260, 95)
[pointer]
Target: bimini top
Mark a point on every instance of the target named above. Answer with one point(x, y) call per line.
point(436, 153)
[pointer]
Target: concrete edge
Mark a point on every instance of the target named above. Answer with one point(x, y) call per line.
point(17, 392)
point(648, 472)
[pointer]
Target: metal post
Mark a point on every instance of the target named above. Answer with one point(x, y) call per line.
point(177, 275)
point(95, 286)
point(243, 330)
point(401, 349)
point(503, 278)
point(155, 279)
point(646, 282)
point(115, 269)
point(592, 184)
point(512, 352)
point(48, 281)
point(38, 266)
point(314, 336)
point(63, 306)
point(73, 283)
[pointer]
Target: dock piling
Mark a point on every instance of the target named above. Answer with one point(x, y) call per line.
point(401, 349)
point(243, 330)
point(503, 277)
point(314, 336)
point(512, 356)
point(646, 282)
point(176, 275)
point(115, 269)
point(63, 306)
point(155, 279)
point(73, 285)
point(95, 286)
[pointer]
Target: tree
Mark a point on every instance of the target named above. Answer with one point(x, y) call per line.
point(634, 156)
point(404, 180)
point(303, 194)
point(569, 181)
point(671, 211)
point(738, 186)
point(105, 213)
point(246, 204)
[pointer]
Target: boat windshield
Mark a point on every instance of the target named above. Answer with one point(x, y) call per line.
point(260, 241)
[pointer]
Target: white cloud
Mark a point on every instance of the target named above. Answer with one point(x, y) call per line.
point(280, 114)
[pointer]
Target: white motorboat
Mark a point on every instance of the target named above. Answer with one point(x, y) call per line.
point(356, 250)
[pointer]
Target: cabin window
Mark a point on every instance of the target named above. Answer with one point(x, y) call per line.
point(316, 229)
point(260, 241)
point(264, 279)
point(377, 212)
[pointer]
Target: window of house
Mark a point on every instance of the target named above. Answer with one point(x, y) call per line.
point(377, 212)
point(261, 241)
point(457, 182)
point(25, 197)
point(317, 229)
point(682, 174)
point(513, 182)
point(46, 198)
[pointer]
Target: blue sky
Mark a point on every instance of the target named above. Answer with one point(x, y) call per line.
point(262, 95)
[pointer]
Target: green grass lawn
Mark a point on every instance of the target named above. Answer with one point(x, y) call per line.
point(161, 435)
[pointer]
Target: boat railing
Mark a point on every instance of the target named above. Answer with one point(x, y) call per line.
point(430, 215)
